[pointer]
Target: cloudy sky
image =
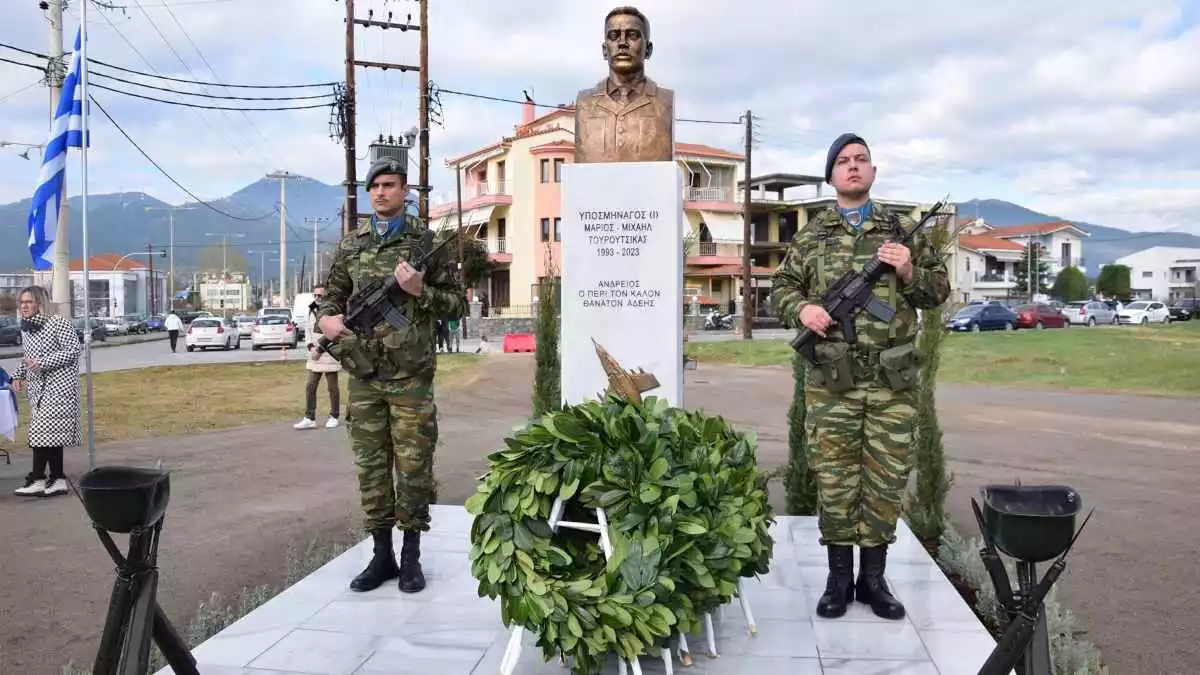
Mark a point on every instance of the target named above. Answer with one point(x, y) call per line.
point(1089, 110)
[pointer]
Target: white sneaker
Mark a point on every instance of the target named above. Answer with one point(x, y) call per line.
point(55, 486)
point(32, 488)
point(305, 424)
point(331, 423)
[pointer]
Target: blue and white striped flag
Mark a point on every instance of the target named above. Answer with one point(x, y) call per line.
point(65, 132)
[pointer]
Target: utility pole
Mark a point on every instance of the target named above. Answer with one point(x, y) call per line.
point(171, 245)
point(316, 264)
point(423, 190)
point(150, 280)
point(747, 312)
point(60, 275)
point(351, 214)
point(283, 177)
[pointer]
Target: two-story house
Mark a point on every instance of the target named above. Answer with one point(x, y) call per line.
point(1164, 273)
point(511, 200)
point(781, 204)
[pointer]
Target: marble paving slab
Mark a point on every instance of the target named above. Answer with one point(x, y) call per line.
point(320, 627)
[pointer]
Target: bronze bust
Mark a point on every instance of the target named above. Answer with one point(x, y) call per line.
point(626, 117)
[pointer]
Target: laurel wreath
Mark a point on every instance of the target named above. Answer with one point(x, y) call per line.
point(688, 517)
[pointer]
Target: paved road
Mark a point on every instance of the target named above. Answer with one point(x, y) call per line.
point(158, 353)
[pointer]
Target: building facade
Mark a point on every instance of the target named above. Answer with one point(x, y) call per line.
point(118, 286)
point(986, 257)
point(224, 293)
point(511, 200)
point(1164, 273)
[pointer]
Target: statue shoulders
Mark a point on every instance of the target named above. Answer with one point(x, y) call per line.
point(653, 88)
point(594, 90)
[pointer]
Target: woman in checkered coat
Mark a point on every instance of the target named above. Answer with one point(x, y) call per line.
point(49, 375)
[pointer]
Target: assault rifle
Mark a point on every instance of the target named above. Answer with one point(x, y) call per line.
point(851, 293)
point(383, 299)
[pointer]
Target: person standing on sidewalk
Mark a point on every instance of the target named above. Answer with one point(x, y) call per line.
point(392, 415)
point(321, 366)
point(173, 324)
point(454, 342)
point(49, 375)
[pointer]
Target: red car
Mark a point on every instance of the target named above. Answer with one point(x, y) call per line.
point(1039, 316)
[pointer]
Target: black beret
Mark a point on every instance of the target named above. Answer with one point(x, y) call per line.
point(841, 142)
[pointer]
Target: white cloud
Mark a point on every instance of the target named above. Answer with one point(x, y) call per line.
point(1084, 110)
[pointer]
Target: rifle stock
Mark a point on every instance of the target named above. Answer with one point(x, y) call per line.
point(853, 292)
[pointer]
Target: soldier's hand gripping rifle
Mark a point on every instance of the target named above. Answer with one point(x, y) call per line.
point(852, 293)
point(383, 299)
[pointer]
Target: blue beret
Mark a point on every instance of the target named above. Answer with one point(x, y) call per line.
point(841, 142)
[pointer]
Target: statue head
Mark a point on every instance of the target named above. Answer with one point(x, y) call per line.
point(627, 43)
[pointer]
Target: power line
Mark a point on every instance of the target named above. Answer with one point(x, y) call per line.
point(499, 99)
point(210, 107)
point(176, 79)
point(169, 177)
point(309, 97)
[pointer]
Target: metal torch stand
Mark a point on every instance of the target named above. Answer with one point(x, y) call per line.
point(134, 615)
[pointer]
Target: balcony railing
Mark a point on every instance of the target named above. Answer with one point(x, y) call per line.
point(496, 245)
point(1069, 262)
point(991, 278)
point(501, 187)
point(707, 194)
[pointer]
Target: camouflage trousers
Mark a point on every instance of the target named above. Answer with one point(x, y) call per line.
point(860, 449)
point(393, 432)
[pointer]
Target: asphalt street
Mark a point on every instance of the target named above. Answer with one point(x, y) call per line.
point(158, 353)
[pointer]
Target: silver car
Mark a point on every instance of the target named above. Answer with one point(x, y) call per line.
point(1089, 313)
point(274, 331)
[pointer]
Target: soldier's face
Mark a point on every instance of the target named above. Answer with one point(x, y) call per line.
point(625, 46)
point(853, 174)
point(387, 194)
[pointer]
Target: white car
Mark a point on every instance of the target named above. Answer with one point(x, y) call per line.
point(274, 331)
point(212, 331)
point(245, 325)
point(1144, 312)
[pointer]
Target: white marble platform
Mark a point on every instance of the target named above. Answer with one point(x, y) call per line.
point(320, 627)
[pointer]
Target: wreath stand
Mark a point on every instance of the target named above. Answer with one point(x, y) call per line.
point(512, 654)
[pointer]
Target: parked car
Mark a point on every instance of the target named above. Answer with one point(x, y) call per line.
point(99, 330)
point(1039, 316)
point(212, 331)
point(1144, 312)
point(1090, 313)
point(135, 325)
point(1185, 309)
point(274, 331)
point(245, 325)
point(10, 331)
point(156, 322)
point(976, 318)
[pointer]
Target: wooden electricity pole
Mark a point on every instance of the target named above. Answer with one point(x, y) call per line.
point(351, 218)
point(747, 292)
point(351, 212)
point(423, 189)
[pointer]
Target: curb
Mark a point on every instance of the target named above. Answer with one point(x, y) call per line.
point(152, 337)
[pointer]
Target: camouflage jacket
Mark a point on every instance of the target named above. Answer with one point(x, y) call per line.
point(799, 280)
point(361, 258)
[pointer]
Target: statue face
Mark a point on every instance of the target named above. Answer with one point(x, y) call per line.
point(625, 45)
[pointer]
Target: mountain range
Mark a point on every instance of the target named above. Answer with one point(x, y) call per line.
point(125, 222)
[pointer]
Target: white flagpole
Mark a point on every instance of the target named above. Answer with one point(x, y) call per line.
point(87, 305)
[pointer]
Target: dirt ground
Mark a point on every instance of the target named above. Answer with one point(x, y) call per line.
point(239, 497)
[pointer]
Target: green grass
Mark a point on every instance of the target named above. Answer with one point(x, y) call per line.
point(1159, 360)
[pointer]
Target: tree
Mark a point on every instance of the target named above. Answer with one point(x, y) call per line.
point(926, 505)
point(217, 257)
point(1114, 282)
point(475, 262)
point(1070, 285)
point(800, 482)
point(547, 378)
point(1041, 278)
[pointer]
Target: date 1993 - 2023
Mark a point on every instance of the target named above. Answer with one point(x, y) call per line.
point(625, 252)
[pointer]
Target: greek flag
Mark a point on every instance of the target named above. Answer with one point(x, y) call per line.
point(65, 132)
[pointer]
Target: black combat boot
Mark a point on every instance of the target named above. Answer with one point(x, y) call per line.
point(871, 588)
point(839, 589)
point(412, 579)
point(382, 566)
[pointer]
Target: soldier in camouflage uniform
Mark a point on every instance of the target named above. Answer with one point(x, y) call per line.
point(392, 418)
point(861, 398)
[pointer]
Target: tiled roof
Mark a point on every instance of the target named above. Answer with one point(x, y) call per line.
point(1033, 228)
point(107, 262)
point(979, 242)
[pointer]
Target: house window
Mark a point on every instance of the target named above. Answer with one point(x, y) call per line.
point(968, 260)
point(557, 234)
point(1147, 275)
point(545, 228)
point(558, 170)
point(545, 171)
point(1065, 254)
